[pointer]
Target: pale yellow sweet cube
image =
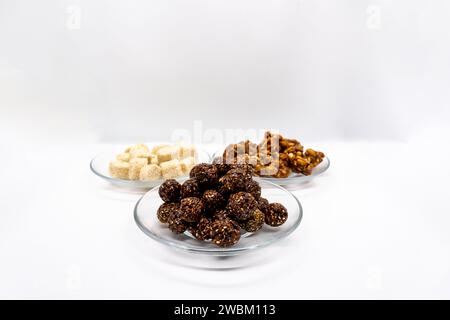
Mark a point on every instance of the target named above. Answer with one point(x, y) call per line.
point(119, 169)
point(139, 151)
point(136, 165)
point(157, 147)
point(187, 164)
point(171, 169)
point(152, 159)
point(186, 151)
point(150, 172)
point(125, 156)
point(167, 153)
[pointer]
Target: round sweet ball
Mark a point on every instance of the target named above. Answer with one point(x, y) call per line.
point(241, 205)
point(176, 224)
point(169, 191)
point(263, 205)
point(202, 231)
point(190, 188)
point(222, 167)
point(253, 188)
point(220, 214)
point(277, 215)
point(191, 209)
point(246, 168)
point(234, 181)
point(206, 174)
point(225, 232)
point(165, 210)
point(212, 200)
point(254, 223)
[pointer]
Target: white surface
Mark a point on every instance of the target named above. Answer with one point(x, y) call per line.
point(375, 226)
point(342, 67)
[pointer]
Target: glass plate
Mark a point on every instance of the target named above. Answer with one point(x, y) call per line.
point(100, 166)
point(145, 217)
point(294, 178)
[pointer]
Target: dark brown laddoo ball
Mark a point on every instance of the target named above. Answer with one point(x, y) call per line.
point(242, 205)
point(206, 174)
point(225, 232)
point(277, 215)
point(222, 167)
point(169, 191)
point(191, 209)
point(234, 181)
point(176, 224)
point(165, 210)
point(202, 231)
point(254, 189)
point(254, 223)
point(190, 188)
point(246, 168)
point(263, 205)
point(220, 214)
point(212, 200)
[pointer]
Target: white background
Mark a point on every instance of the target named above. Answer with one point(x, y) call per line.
point(365, 81)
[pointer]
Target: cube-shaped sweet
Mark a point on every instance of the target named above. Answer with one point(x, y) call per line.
point(187, 164)
point(136, 165)
point(124, 157)
point(119, 169)
point(186, 151)
point(139, 151)
point(171, 169)
point(167, 153)
point(157, 147)
point(150, 172)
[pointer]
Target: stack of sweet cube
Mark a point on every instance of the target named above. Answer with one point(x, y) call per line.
point(164, 161)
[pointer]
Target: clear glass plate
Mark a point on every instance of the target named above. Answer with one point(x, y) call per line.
point(100, 166)
point(145, 217)
point(294, 178)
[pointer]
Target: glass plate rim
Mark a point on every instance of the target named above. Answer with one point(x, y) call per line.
point(220, 251)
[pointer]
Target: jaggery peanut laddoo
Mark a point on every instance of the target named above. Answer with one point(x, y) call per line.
point(191, 209)
point(277, 215)
point(169, 191)
point(202, 231)
point(206, 174)
point(263, 205)
point(254, 223)
point(254, 189)
point(212, 200)
point(176, 224)
point(225, 232)
point(165, 210)
point(190, 188)
point(220, 214)
point(242, 205)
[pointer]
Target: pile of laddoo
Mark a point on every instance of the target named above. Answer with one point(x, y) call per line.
point(216, 202)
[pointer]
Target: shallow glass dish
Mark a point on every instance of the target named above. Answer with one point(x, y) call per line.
point(294, 178)
point(145, 217)
point(100, 166)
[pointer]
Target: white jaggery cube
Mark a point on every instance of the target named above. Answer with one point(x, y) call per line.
point(166, 154)
point(125, 156)
point(150, 172)
point(171, 169)
point(139, 151)
point(187, 164)
point(119, 169)
point(186, 151)
point(136, 165)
